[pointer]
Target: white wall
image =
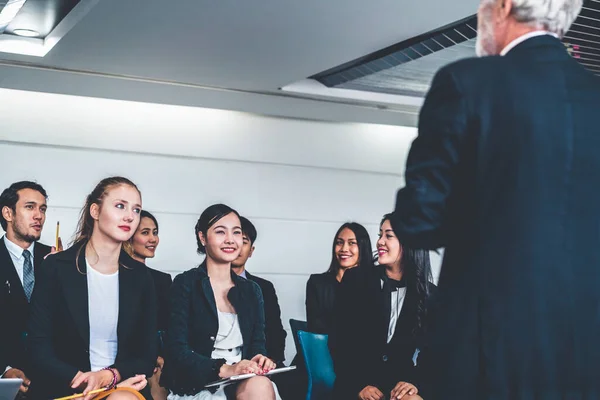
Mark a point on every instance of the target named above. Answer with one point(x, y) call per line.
point(297, 180)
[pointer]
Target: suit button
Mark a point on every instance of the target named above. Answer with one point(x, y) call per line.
point(212, 338)
point(384, 358)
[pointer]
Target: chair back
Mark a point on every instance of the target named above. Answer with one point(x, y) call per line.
point(319, 365)
point(297, 325)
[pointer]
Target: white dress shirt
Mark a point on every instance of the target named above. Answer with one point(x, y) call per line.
point(523, 38)
point(16, 254)
point(397, 301)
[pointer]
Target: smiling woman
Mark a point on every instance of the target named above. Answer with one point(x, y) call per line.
point(351, 248)
point(142, 246)
point(217, 325)
point(380, 321)
point(84, 293)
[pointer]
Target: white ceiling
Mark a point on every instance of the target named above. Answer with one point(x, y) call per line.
point(188, 51)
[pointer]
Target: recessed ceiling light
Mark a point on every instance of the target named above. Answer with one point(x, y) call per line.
point(26, 32)
point(9, 11)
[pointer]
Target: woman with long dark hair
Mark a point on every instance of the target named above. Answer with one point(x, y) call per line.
point(351, 248)
point(381, 319)
point(140, 247)
point(93, 310)
point(217, 324)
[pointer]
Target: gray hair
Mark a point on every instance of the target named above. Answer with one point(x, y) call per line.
point(555, 16)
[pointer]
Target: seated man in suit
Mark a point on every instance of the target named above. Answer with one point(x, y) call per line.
point(22, 216)
point(274, 332)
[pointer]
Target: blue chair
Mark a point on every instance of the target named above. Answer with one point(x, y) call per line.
point(297, 325)
point(319, 365)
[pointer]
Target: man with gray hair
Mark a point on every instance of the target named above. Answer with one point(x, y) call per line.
point(505, 174)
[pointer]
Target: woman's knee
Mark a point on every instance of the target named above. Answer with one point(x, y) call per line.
point(258, 387)
point(122, 395)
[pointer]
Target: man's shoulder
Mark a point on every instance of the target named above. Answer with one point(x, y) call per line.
point(160, 276)
point(42, 248)
point(473, 67)
point(321, 277)
point(262, 282)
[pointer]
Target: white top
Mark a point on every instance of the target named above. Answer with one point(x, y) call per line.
point(229, 341)
point(396, 309)
point(397, 301)
point(16, 254)
point(523, 38)
point(103, 308)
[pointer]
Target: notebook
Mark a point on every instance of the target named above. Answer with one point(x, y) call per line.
point(237, 378)
point(9, 388)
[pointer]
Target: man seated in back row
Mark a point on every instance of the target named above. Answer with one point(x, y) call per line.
point(22, 216)
point(274, 332)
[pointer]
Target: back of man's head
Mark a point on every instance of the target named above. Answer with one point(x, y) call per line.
point(554, 16)
point(502, 21)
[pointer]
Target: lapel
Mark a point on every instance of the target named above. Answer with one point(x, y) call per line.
point(383, 307)
point(39, 252)
point(76, 292)
point(76, 289)
point(11, 281)
point(544, 47)
point(236, 297)
point(207, 292)
point(128, 296)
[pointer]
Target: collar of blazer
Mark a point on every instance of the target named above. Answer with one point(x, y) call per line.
point(236, 294)
point(553, 47)
point(132, 284)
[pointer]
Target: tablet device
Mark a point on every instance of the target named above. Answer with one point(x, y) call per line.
point(9, 388)
point(236, 378)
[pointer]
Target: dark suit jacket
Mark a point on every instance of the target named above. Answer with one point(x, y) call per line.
point(59, 328)
point(274, 332)
point(321, 291)
point(162, 284)
point(505, 174)
point(194, 324)
point(14, 308)
point(362, 355)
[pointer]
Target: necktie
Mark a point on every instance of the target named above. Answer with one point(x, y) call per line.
point(28, 277)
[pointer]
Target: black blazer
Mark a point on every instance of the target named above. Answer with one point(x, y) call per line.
point(194, 324)
point(362, 356)
point(59, 328)
point(162, 284)
point(321, 291)
point(505, 175)
point(14, 308)
point(274, 332)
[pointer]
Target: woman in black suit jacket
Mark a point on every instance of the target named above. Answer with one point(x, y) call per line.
point(381, 316)
point(351, 248)
point(217, 325)
point(93, 309)
point(140, 247)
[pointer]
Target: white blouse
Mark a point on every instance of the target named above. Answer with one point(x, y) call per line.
point(103, 309)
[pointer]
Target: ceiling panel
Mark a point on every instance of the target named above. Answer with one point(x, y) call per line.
point(408, 67)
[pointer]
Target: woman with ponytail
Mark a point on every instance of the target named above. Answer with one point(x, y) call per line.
point(93, 310)
point(381, 320)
